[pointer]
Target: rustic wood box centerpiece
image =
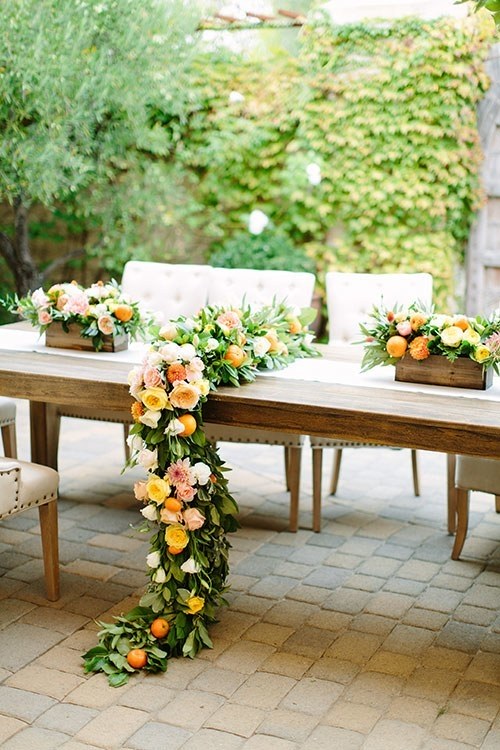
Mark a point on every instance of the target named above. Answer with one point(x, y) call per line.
point(72, 338)
point(425, 347)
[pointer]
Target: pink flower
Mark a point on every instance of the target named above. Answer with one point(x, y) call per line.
point(105, 324)
point(61, 301)
point(39, 298)
point(193, 519)
point(169, 516)
point(152, 377)
point(140, 491)
point(185, 492)
point(180, 473)
point(229, 320)
point(194, 369)
point(77, 304)
point(44, 317)
point(404, 328)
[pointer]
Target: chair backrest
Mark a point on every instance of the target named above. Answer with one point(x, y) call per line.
point(171, 289)
point(475, 473)
point(350, 298)
point(229, 286)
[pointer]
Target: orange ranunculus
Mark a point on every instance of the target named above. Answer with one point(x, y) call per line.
point(419, 348)
point(176, 371)
point(137, 410)
point(417, 320)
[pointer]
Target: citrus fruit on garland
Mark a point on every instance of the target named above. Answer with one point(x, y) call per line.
point(189, 423)
point(160, 627)
point(137, 658)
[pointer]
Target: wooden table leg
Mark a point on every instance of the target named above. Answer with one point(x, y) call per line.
point(44, 433)
point(451, 493)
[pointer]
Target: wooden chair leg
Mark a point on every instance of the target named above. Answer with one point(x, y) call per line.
point(50, 547)
point(463, 499)
point(287, 467)
point(294, 459)
point(414, 469)
point(497, 503)
point(317, 468)
point(451, 460)
point(337, 460)
point(9, 441)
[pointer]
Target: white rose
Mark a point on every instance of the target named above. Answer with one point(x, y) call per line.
point(150, 418)
point(190, 566)
point(174, 427)
point(451, 336)
point(159, 576)
point(153, 560)
point(168, 331)
point(150, 513)
point(211, 345)
point(153, 359)
point(170, 352)
point(187, 352)
point(261, 346)
point(39, 298)
point(134, 442)
point(471, 336)
point(201, 472)
point(148, 459)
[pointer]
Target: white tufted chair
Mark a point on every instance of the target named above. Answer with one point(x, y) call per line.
point(229, 286)
point(350, 298)
point(473, 473)
point(8, 426)
point(25, 485)
point(168, 289)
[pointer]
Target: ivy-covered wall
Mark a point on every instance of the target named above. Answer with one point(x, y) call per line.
point(386, 113)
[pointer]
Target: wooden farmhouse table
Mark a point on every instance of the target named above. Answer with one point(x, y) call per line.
point(430, 419)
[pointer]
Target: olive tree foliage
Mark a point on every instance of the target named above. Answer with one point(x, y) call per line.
point(77, 79)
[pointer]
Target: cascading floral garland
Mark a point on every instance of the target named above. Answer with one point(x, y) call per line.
point(186, 501)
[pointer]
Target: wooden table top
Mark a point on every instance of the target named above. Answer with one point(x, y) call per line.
point(429, 421)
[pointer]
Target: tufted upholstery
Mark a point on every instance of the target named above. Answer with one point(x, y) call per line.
point(473, 473)
point(170, 288)
point(25, 485)
point(350, 299)
point(228, 286)
point(351, 296)
point(8, 426)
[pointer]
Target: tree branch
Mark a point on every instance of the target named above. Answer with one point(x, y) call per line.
point(7, 250)
point(61, 260)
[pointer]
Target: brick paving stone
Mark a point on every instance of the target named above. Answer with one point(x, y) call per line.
point(55, 620)
point(389, 605)
point(21, 643)
point(8, 727)
point(265, 742)
point(454, 726)
point(273, 587)
point(349, 601)
point(364, 582)
point(309, 555)
point(379, 566)
point(257, 566)
point(390, 734)
point(329, 620)
point(263, 690)
point(461, 636)
point(327, 577)
point(484, 668)
point(389, 662)
point(445, 658)
point(336, 670)
point(375, 689)
point(157, 735)
point(375, 624)
point(404, 586)
point(425, 618)
point(112, 726)
point(447, 581)
point(237, 719)
point(326, 738)
point(252, 605)
point(438, 599)
point(432, 684)
point(326, 539)
point(463, 567)
point(88, 606)
point(218, 681)
point(245, 657)
point(119, 543)
point(270, 550)
point(146, 697)
point(290, 613)
point(491, 741)
point(309, 641)
point(190, 709)
point(356, 716)
point(88, 569)
point(422, 712)
point(266, 632)
point(344, 561)
point(477, 699)
point(210, 739)
point(66, 718)
point(406, 639)
point(94, 693)
point(394, 551)
point(418, 570)
point(12, 609)
point(354, 646)
point(231, 625)
point(292, 570)
point(35, 737)
point(308, 594)
point(312, 696)
point(80, 641)
point(288, 725)
point(287, 664)
point(359, 546)
point(480, 595)
point(474, 615)
point(38, 679)
point(179, 674)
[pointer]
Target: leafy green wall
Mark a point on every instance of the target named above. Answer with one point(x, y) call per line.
point(388, 114)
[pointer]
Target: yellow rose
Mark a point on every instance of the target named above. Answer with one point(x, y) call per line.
point(274, 342)
point(202, 385)
point(158, 489)
point(195, 604)
point(176, 536)
point(155, 399)
point(451, 336)
point(471, 336)
point(481, 353)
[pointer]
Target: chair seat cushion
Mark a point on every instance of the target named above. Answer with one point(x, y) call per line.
point(26, 485)
point(482, 474)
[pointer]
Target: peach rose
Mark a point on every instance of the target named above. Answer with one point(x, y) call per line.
point(185, 492)
point(105, 325)
point(44, 317)
point(184, 396)
point(152, 377)
point(193, 519)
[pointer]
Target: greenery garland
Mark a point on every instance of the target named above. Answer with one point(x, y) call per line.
point(186, 503)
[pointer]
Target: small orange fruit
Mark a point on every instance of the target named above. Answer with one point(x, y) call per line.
point(189, 423)
point(396, 346)
point(175, 550)
point(160, 627)
point(294, 326)
point(461, 323)
point(137, 658)
point(123, 313)
point(235, 355)
point(172, 504)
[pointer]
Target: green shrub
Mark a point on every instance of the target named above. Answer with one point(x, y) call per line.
point(271, 250)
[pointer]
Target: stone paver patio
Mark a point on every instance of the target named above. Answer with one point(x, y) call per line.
point(364, 636)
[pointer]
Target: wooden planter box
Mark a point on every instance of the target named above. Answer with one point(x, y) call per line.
point(55, 335)
point(438, 370)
